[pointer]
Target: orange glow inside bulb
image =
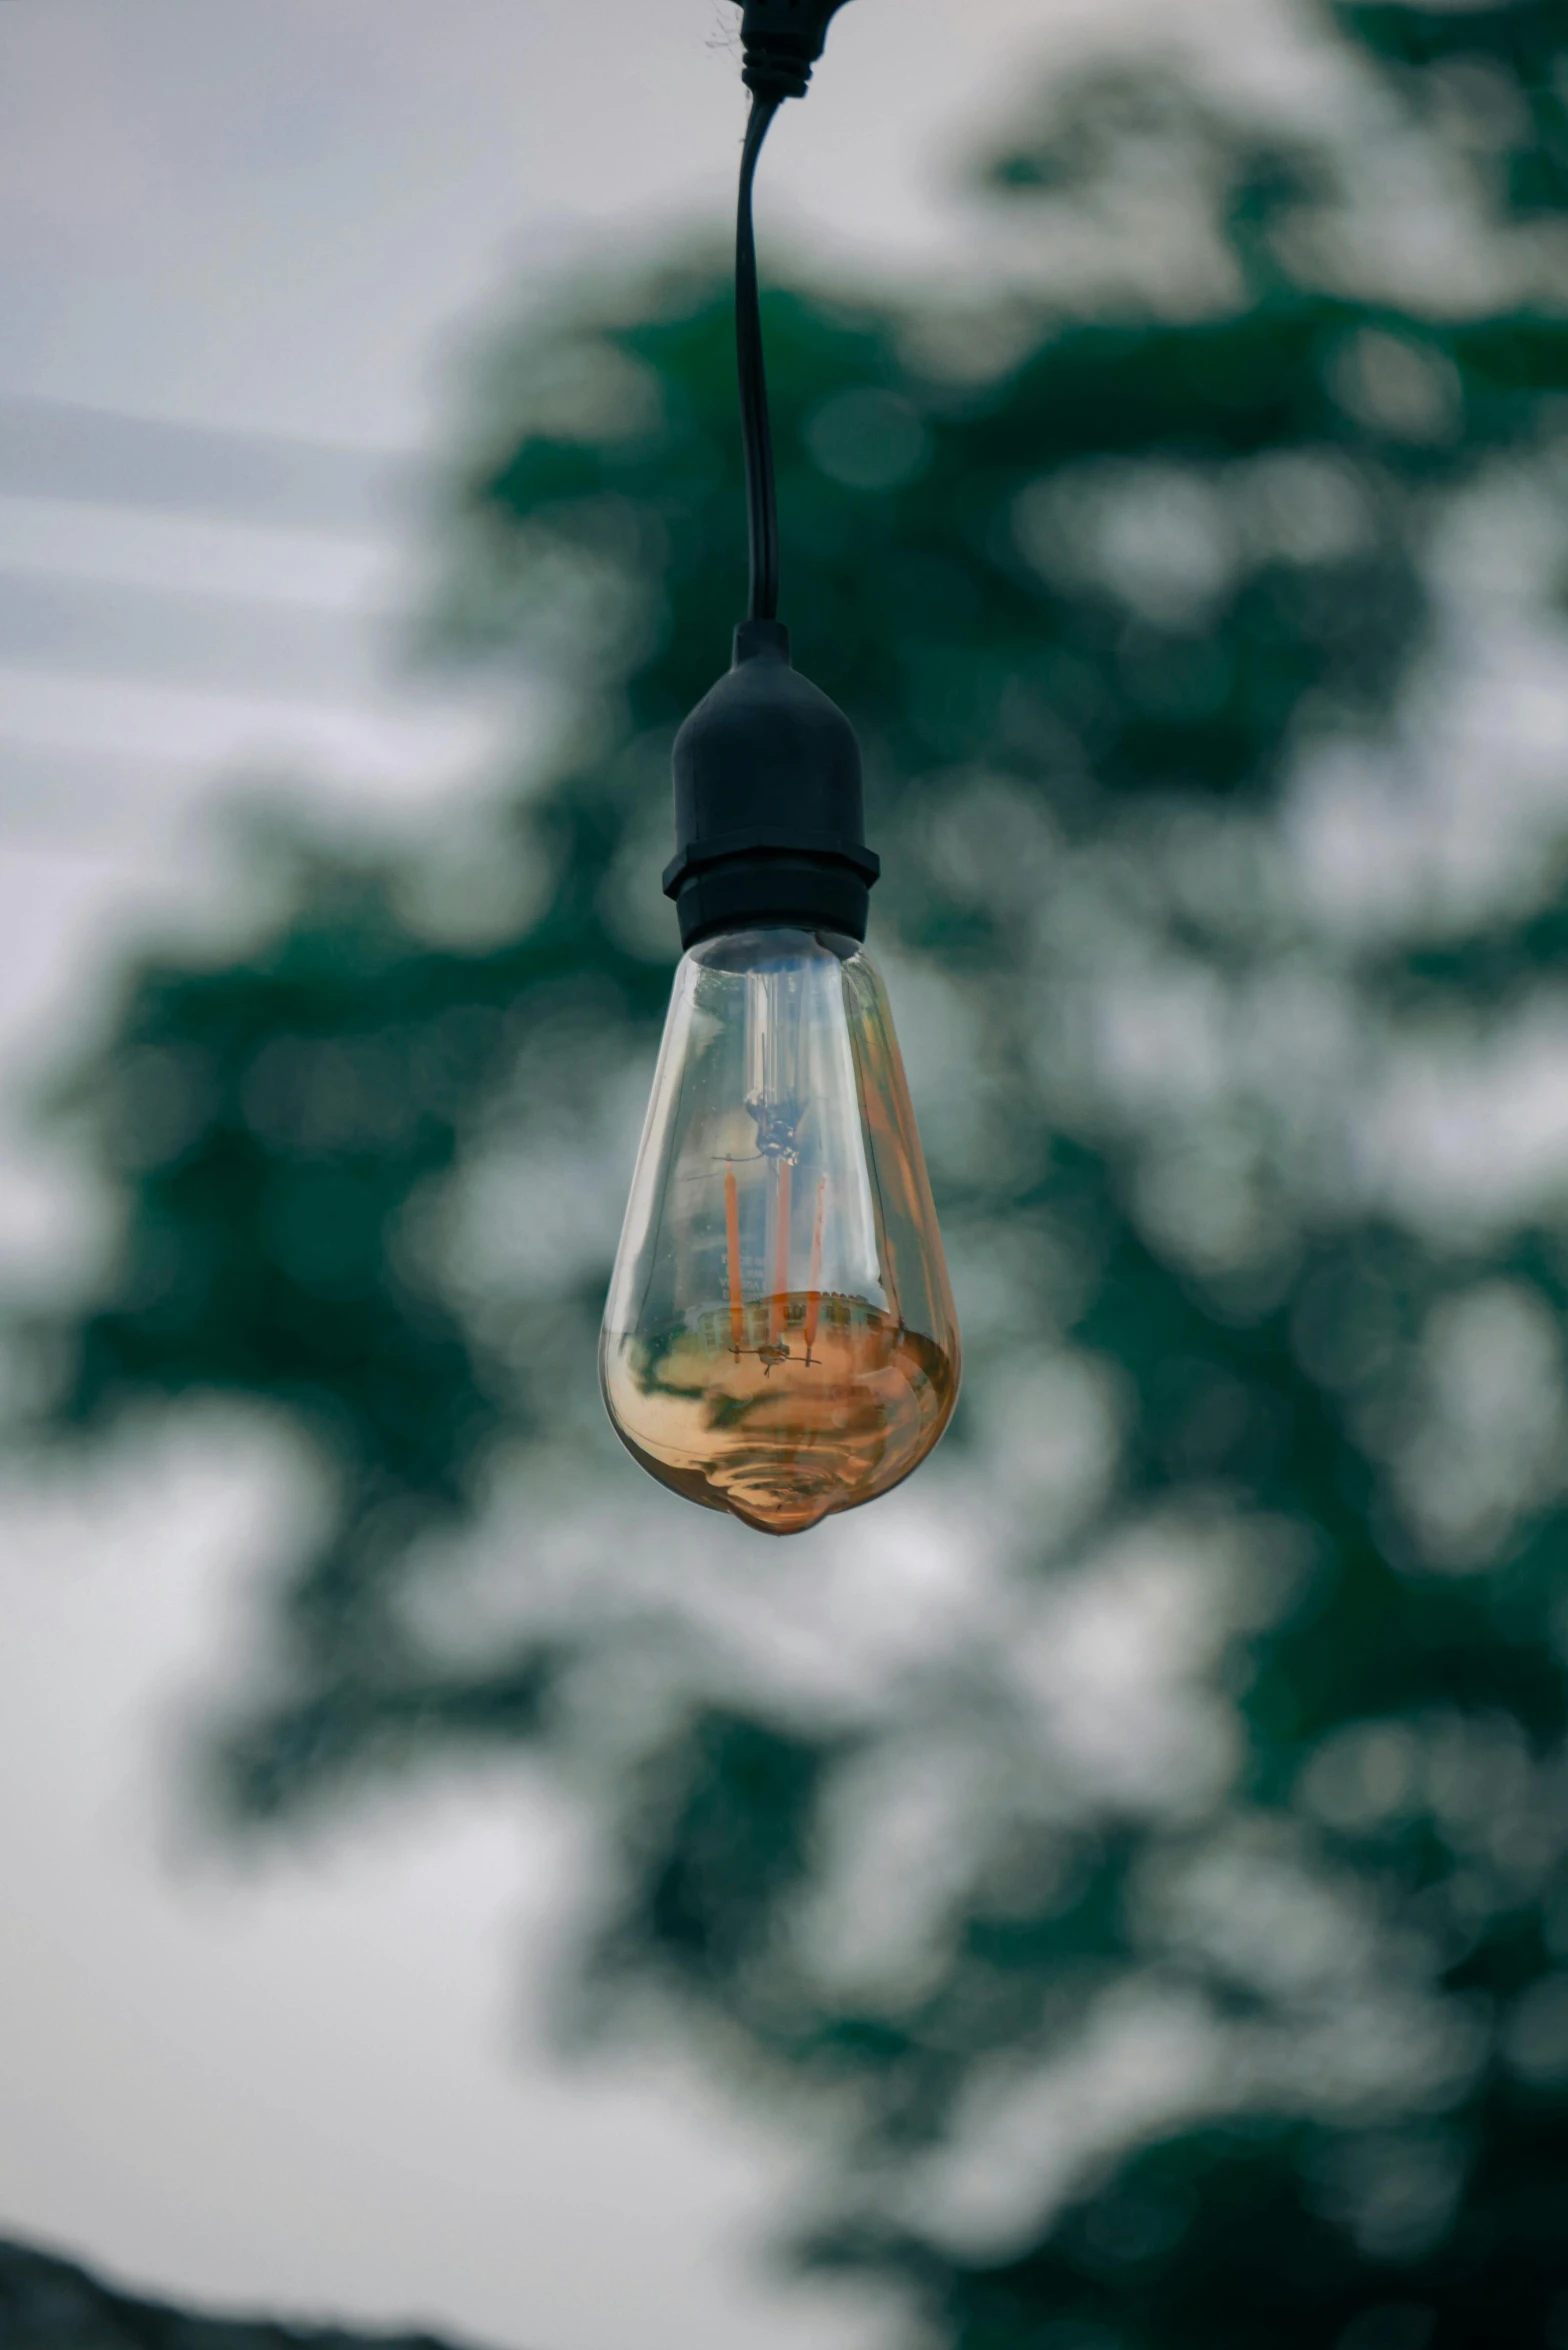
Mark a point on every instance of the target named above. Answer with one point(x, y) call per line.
point(780, 1340)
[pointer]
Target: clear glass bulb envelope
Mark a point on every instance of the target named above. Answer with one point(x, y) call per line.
point(780, 1339)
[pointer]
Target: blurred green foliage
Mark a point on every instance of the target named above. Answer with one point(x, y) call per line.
point(49, 2304)
point(1174, 1930)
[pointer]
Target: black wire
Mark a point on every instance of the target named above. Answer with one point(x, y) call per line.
point(757, 439)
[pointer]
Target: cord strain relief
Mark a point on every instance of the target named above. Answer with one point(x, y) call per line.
point(781, 41)
point(768, 75)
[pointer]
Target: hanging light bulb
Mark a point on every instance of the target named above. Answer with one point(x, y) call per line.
point(779, 1340)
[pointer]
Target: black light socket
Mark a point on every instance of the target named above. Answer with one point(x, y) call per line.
point(769, 815)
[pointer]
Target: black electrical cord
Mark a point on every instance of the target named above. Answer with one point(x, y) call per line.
point(756, 434)
point(781, 40)
point(769, 817)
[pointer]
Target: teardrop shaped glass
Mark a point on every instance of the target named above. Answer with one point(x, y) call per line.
point(779, 1340)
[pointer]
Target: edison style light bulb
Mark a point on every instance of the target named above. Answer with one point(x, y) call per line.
point(780, 1340)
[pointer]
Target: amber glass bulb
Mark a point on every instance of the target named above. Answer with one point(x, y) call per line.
point(780, 1339)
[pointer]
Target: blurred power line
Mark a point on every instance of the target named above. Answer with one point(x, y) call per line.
point(176, 597)
point(51, 449)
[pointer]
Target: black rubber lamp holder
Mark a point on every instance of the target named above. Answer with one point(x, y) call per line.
point(769, 824)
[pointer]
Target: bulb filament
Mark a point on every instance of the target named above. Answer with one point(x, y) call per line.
point(783, 1185)
point(732, 1240)
point(814, 1286)
point(779, 1299)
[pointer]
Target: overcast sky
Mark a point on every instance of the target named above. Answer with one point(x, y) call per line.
point(278, 215)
